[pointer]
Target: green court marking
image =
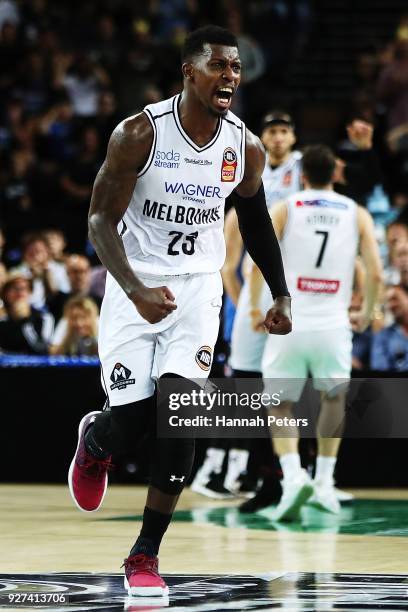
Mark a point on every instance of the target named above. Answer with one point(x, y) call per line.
point(361, 517)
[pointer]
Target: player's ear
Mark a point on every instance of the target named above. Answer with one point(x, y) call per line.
point(188, 71)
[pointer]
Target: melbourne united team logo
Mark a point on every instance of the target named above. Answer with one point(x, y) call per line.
point(121, 377)
point(229, 165)
point(203, 357)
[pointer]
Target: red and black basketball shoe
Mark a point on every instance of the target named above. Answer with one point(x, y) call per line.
point(87, 476)
point(142, 578)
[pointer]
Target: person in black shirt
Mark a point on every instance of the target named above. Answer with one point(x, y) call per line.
point(23, 329)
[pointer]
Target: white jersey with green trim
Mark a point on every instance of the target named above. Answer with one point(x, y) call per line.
point(175, 220)
point(319, 248)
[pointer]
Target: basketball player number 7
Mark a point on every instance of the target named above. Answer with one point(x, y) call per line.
point(322, 248)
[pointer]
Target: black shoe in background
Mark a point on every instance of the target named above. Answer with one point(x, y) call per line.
point(269, 493)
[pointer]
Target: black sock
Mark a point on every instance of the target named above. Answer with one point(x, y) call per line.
point(153, 529)
point(93, 447)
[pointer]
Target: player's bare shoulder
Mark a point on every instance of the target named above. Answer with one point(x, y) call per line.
point(254, 153)
point(254, 165)
point(130, 143)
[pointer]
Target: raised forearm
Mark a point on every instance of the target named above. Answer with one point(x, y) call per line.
point(260, 240)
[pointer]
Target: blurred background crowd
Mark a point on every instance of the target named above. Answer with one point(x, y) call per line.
point(69, 74)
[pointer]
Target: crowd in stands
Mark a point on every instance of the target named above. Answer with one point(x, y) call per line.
point(69, 74)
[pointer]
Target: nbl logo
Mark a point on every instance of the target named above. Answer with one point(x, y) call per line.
point(203, 358)
point(229, 165)
point(230, 157)
point(121, 377)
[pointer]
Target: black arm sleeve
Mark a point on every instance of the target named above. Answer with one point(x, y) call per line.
point(260, 239)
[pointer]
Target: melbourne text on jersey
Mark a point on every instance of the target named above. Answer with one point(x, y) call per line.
point(181, 214)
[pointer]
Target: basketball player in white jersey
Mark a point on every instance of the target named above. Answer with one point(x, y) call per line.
point(281, 177)
point(321, 233)
point(156, 221)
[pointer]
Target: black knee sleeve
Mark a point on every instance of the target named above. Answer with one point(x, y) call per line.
point(172, 459)
point(172, 464)
point(120, 428)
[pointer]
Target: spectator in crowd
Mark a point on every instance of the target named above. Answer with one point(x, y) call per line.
point(34, 84)
point(397, 231)
point(362, 341)
point(79, 275)
point(76, 184)
point(396, 235)
point(98, 282)
point(12, 124)
point(397, 142)
point(82, 79)
point(392, 92)
point(399, 264)
point(392, 87)
point(366, 73)
point(390, 345)
point(107, 117)
point(106, 45)
point(48, 276)
point(362, 171)
point(58, 130)
point(141, 68)
point(81, 332)
point(16, 202)
point(56, 244)
point(23, 329)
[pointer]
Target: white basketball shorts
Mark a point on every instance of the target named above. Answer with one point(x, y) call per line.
point(135, 353)
point(325, 355)
point(247, 346)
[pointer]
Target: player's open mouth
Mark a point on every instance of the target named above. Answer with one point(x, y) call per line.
point(223, 96)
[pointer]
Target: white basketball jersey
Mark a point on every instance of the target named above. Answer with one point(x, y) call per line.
point(281, 182)
point(319, 247)
point(175, 220)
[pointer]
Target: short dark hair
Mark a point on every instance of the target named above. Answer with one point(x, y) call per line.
point(210, 34)
point(30, 238)
point(318, 164)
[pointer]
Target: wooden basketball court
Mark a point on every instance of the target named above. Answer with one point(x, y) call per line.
point(43, 533)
